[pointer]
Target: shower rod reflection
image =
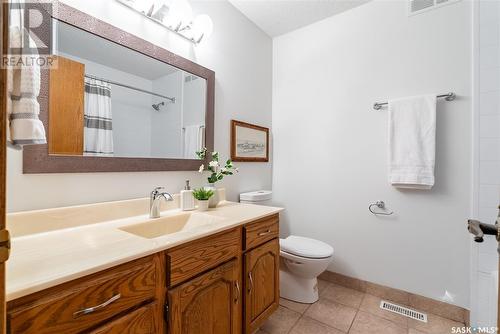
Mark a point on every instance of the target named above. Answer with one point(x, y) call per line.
point(171, 99)
point(448, 97)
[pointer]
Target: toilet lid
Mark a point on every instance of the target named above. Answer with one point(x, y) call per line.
point(306, 247)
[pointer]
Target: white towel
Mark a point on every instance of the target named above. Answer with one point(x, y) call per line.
point(412, 142)
point(193, 141)
point(22, 105)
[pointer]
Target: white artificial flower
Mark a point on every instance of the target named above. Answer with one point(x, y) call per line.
point(202, 168)
point(214, 164)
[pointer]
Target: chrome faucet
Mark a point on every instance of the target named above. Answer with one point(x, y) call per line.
point(154, 201)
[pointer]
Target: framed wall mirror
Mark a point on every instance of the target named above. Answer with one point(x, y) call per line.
point(115, 102)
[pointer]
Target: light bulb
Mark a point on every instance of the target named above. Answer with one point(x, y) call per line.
point(180, 14)
point(161, 9)
point(202, 27)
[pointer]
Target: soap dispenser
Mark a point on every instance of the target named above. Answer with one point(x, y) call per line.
point(187, 198)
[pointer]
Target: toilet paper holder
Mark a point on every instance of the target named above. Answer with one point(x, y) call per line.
point(380, 205)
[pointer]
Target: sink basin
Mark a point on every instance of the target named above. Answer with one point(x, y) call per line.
point(158, 227)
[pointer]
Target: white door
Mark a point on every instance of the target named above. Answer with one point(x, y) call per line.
point(484, 259)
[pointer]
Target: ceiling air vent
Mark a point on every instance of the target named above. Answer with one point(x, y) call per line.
point(419, 6)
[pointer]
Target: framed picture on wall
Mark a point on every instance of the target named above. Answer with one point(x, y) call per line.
point(249, 142)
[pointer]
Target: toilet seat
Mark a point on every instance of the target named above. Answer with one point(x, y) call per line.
point(306, 247)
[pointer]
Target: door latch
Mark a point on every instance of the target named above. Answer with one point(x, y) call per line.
point(4, 245)
point(479, 229)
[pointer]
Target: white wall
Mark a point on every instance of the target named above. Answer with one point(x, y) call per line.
point(240, 55)
point(487, 162)
point(194, 101)
point(132, 120)
point(166, 124)
point(331, 146)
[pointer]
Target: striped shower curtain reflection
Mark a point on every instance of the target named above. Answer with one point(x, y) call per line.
point(98, 119)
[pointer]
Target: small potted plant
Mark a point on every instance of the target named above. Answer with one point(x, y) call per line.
point(203, 196)
point(217, 172)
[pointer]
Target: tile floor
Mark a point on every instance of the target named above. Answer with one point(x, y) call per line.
point(341, 310)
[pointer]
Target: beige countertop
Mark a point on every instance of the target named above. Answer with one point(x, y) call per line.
point(50, 254)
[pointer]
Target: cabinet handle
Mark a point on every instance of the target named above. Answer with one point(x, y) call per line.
point(264, 233)
point(250, 287)
point(237, 298)
point(96, 308)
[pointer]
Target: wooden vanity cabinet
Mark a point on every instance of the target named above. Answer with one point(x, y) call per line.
point(204, 285)
point(261, 272)
point(216, 301)
point(195, 257)
point(208, 304)
point(261, 231)
point(261, 284)
point(141, 321)
point(89, 302)
point(225, 283)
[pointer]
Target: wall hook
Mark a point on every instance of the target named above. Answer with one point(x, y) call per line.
point(380, 205)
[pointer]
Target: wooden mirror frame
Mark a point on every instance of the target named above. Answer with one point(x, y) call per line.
point(36, 158)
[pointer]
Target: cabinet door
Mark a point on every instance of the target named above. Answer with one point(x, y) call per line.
point(66, 103)
point(261, 284)
point(140, 321)
point(208, 304)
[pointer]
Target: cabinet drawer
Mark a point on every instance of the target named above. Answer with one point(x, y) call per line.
point(79, 305)
point(140, 321)
point(261, 231)
point(194, 258)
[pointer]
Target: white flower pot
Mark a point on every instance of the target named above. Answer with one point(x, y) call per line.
point(203, 205)
point(214, 200)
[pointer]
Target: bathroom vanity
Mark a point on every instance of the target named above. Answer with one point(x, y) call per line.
point(197, 273)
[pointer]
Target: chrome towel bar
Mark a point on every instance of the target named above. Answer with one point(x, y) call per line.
point(448, 97)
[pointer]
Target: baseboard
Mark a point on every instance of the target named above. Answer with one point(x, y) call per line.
point(409, 299)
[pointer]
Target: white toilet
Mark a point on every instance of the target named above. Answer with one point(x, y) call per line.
point(302, 259)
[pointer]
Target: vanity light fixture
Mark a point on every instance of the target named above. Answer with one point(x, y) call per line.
point(176, 16)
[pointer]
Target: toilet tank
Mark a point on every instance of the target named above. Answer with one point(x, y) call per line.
point(259, 197)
